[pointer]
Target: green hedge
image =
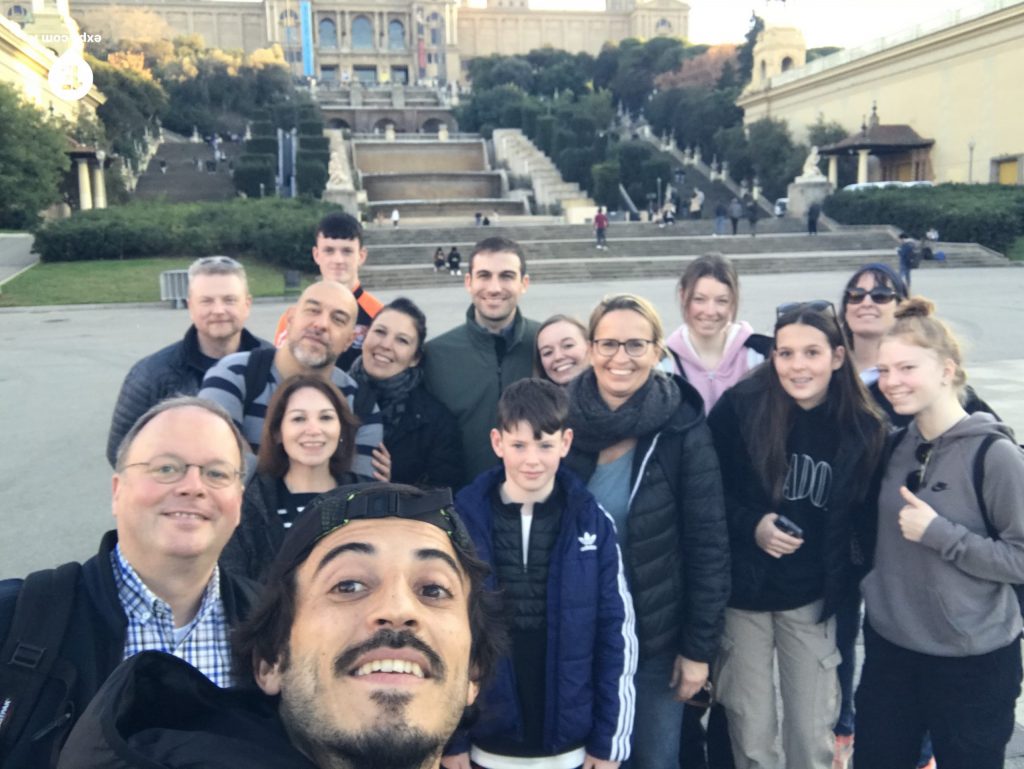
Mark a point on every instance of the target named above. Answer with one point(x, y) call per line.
point(315, 143)
point(310, 178)
point(989, 214)
point(278, 231)
point(311, 128)
point(249, 176)
point(263, 128)
point(262, 146)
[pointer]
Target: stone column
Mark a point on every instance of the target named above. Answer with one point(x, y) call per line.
point(833, 171)
point(84, 190)
point(862, 166)
point(99, 182)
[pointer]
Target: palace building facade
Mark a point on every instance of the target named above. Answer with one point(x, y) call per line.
point(387, 41)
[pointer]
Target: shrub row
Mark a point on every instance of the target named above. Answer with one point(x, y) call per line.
point(274, 230)
point(989, 214)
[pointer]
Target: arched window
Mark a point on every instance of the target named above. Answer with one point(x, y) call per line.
point(396, 35)
point(362, 32)
point(663, 27)
point(787, 64)
point(328, 34)
point(290, 25)
point(17, 13)
point(764, 70)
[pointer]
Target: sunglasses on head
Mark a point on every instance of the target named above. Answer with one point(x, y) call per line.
point(815, 305)
point(915, 479)
point(879, 295)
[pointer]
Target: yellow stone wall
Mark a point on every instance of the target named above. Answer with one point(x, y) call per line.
point(956, 85)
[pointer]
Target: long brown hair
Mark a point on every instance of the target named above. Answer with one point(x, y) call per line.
point(850, 407)
point(272, 458)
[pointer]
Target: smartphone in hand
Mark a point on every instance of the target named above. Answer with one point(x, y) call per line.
point(784, 524)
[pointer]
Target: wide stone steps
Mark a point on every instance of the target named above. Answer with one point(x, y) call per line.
point(607, 266)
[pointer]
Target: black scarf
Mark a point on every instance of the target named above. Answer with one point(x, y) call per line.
point(391, 394)
point(596, 427)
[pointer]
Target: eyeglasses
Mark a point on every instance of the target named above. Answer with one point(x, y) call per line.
point(216, 475)
point(208, 261)
point(879, 295)
point(635, 348)
point(915, 479)
point(814, 305)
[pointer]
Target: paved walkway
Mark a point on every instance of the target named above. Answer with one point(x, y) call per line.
point(15, 254)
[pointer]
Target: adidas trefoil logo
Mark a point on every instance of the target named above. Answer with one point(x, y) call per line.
point(587, 542)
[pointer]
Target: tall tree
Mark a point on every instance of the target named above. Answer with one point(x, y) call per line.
point(32, 161)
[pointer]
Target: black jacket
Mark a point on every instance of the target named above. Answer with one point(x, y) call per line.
point(177, 369)
point(425, 444)
point(157, 711)
point(259, 535)
point(747, 501)
point(677, 560)
point(93, 645)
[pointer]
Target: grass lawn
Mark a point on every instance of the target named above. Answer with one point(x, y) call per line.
point(131, 280)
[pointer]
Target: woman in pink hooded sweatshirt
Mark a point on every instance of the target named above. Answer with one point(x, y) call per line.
point(711, 350)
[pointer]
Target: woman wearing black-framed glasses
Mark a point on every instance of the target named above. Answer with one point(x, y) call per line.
point(943, 625)
point(642, 446)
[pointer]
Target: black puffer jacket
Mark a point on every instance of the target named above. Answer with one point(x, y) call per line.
point(425, 443)
point(747, 501)
point(177, 369)
point(677, 560)
point(157, 711)
point(259, 535)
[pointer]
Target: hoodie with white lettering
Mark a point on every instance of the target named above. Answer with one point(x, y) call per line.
point(951, 593)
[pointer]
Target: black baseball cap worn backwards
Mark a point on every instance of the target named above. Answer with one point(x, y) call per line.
point(366, 501)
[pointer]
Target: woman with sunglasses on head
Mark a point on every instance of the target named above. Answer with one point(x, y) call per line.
point(420, 433)
point(796, 440)
point(942, 632)
point(711, 350)
point(307, 448)
point(560, 353)
point(642, 446)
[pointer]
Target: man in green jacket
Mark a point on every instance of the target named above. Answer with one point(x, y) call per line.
point(468, 367)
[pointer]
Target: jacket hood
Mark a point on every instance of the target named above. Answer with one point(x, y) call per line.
point(975, 425)
point(735, 344)
point(156, 710)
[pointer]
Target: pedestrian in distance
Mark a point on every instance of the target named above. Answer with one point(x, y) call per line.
point(454, 261)
point(813, 214)
point(439, 260)
point(752, 216)
point(601, 229)
point(909, 256)
point(735, 211)
point(721, 214)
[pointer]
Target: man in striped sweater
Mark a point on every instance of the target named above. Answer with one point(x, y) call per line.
point(320, 328)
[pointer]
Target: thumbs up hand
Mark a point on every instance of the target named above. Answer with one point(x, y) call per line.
point(914, 516)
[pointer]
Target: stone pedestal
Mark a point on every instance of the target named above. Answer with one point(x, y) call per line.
point(807, 190)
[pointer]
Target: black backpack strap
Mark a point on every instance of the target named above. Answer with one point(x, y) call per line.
point(29, 654)
point(979, 481)
point(257, 371)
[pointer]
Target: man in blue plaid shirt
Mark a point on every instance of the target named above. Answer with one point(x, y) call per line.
point(155, 584)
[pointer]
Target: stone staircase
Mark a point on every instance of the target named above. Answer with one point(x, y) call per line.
point(550, 190)
point(565, 253)
point(183, 182)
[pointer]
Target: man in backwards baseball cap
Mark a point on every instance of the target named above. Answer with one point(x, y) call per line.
point(369, 642)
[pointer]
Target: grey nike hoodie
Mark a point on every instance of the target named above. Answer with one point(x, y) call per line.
point(950, 594)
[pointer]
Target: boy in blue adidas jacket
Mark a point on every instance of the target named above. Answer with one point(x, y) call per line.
point(564, 696)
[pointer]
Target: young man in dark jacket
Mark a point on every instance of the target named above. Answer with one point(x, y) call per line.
point(565, 695)
point(154, 583)
point(218, 306)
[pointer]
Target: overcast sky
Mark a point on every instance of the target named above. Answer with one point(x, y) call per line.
point(824, 22)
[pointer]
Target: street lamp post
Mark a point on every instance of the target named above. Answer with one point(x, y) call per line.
point(659, 193)
point(970, 162)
